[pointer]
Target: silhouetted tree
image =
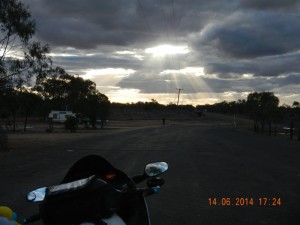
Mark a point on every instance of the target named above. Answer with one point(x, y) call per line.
point(29, 102)
point(17, 27)
point(262, 107)
point(12, 104)
point(95, 106)
point(296, 104)
point(64, 91)
point(71, 123)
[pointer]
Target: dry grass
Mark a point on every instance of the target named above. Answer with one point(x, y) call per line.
point(37, 136)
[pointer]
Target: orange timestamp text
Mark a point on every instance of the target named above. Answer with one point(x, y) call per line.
point(245, 201)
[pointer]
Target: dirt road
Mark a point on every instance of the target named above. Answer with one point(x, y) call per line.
point(206, 161)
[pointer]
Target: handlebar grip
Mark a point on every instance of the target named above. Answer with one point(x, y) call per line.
point(148, 191)
point(32, 219)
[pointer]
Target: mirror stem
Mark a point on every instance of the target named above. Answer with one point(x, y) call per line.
point(139, 178)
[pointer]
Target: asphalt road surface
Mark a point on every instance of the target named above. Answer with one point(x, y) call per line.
point(217, 175)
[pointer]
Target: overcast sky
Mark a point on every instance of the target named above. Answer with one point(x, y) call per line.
point(138, 50)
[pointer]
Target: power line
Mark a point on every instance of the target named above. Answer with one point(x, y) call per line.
point(179, 90)
point(165, 19)
point(144, 16)
point(174, 20)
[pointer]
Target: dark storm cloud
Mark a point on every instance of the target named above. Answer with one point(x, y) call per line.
point(267, 66)
point(270, 4)
point(252, 34)
point(192, 84)
point(83, 60)
point(292, 79)
point(226, 28)
point(91, 62)
point(228, 38)
point(87, 24)
point(91, 23)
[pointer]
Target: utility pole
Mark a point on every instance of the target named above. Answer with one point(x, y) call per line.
point(179, 90)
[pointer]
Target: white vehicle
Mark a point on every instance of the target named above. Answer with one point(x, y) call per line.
point(60, 116)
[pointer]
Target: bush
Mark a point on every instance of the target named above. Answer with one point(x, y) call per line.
point(71, 124)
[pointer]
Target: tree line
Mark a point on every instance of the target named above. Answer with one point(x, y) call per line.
point(29, 84)
point(262, 107)
point(59, 92)
point(151, 105)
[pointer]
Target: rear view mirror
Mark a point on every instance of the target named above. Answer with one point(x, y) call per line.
point(37, 195)
point(155, 169)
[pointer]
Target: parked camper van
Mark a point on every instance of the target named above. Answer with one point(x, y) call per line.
point(60, 116)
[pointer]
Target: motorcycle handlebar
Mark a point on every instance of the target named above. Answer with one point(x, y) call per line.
point(148, 191)
point(144, 191)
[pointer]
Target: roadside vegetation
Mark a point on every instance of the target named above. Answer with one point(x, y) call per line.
point(264, 110)
point(29, 84)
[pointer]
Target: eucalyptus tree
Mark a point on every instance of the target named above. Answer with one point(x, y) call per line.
point(263, 107)
point(29, 103)
point(64, 91)
point(20, 59)
point(96, 106)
